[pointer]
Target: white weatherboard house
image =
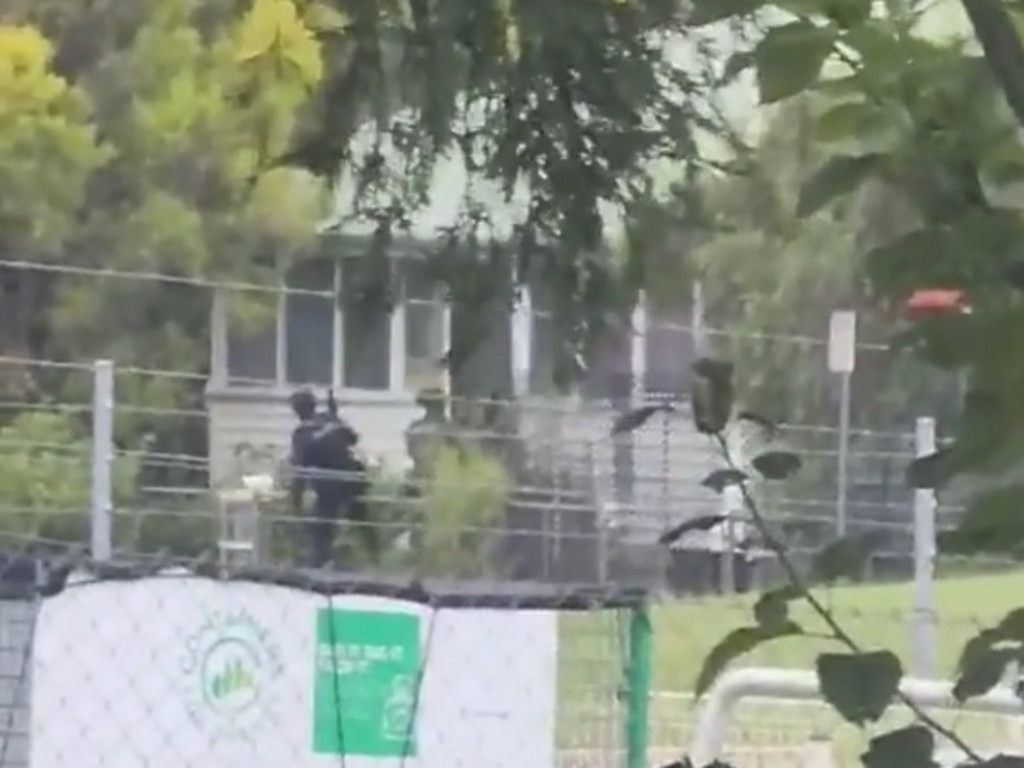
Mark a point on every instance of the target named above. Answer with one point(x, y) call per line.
point(378, 361)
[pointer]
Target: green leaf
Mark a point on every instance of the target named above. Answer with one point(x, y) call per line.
point(709, 11)
point(860, 686)
point(841, 122)
point(910, 747)
point(931, 471)
point(838, 176)
point(772, 608)
point(735, 644)
point(768, 427)
point(977, 646)
point(848, 13)
point(673, 534)
point(321, 17)
point(845, 558)
point(776, 465)
point(982, 672)
point(720, 478)
point(1011, 626)
point(712, 395)
point(789, 59)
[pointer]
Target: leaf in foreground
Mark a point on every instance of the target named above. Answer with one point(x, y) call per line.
point(720, 478)
point(931, 471)
point(839, 176)
point(769, 427)
point(712, 395)
point(982, 671)
point(772, 608)
point(910, 747)
point(859, 686)
point(846, 557)
point(735, 644)
point(701, 523)
point(789, 59)
point(776, 465)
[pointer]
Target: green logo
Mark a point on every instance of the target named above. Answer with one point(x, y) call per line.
point(364, 689)
point(229, 662)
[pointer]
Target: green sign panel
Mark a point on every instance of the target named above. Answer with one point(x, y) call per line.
point(364, 690)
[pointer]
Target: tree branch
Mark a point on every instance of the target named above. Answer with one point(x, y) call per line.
point(837, 630)
point(1004, 54)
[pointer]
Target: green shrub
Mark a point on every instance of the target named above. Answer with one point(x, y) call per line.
point(462, 501)
point(45, 477)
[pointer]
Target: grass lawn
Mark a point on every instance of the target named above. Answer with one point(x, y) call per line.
point(877, 616)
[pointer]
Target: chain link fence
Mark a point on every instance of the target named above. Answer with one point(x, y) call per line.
point(570, 505)
point(779, 731)
point(280, 665)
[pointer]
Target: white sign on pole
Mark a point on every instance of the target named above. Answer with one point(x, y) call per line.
point(842, 341)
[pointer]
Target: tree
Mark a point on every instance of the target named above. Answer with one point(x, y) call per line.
point(41, 116)
point(45, 476)
point(561, 108)
point(924, 123)
point(861, 684)
point(181, 190)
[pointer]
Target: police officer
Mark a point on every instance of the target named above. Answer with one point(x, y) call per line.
point(322, 459)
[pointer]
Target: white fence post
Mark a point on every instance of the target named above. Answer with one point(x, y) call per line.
point(101, 507)
point(923, 613)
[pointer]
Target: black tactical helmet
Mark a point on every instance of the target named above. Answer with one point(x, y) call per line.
point(303, 403)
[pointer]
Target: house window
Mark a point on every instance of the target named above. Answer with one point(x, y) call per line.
point(609, 367)
point(251, 319)
point(366, 342)
point(542, 342)
point(670, 352)
point(425, 331)
point(309, 323)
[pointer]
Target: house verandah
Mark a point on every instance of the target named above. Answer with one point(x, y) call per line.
point(379, 355)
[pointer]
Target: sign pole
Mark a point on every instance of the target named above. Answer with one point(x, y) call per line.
point(923, 614)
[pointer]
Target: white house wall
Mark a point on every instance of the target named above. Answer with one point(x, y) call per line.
point(258, 423)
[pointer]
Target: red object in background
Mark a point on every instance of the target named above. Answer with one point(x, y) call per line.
point(935, 301)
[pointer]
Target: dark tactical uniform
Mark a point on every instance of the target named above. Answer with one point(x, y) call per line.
point(323, 459)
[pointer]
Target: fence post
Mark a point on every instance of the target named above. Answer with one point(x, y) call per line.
point(923, 613)
point(101, 507)
point(638, 686)
point(732, 509)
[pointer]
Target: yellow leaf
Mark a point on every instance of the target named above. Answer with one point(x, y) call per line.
point(288, 203)
point(323, 18)
point(259, 30)
point(273, 30)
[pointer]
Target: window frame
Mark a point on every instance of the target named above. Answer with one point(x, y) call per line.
point(397, 351)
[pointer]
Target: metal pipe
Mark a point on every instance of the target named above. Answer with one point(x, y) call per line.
point(715, 715)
